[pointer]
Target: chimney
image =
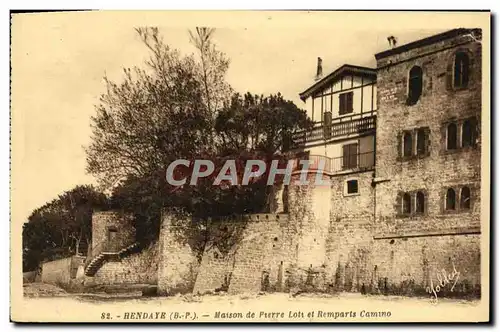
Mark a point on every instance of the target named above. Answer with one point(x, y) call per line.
point(319, 69)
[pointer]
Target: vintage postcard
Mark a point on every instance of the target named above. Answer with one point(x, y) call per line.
point(250, 166)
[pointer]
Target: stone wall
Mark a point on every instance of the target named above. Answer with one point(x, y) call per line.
point(350, 235)
point(138, 268)
point(103, 222)
point(180, 246)
point(61, 271)
point(310, 209)
point(245, 254)
point(439, 104)
point(412, 263)
point(437, 237)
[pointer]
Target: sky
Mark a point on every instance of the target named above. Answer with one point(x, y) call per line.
point(59, 61)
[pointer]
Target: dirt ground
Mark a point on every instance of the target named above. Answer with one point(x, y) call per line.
point(275, 307)
point(38, 289)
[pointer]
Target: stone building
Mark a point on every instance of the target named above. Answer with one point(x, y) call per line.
point(428, 161)
point(399, 146)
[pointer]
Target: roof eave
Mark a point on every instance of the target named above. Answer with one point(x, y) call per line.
point(424, 41)
point(358, 70)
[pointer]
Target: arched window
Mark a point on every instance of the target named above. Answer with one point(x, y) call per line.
point(467, 134)
point(451, 142)
point(406, 203)
point(407, 144)
point(450, 199)
point(420, 206)
point(465, 198)
point(414, 85)
point(461, 70)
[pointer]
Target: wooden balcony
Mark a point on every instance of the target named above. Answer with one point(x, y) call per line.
point(351, 125)
point(359, 162)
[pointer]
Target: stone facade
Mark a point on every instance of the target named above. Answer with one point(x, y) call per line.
point(179, 248)
point(425, 242)
point(394, 234)
point(138, 268)
point(245, 254)
point(111, 231)
point(61, 271)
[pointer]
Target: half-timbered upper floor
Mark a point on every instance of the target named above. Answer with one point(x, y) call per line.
point(343, 103)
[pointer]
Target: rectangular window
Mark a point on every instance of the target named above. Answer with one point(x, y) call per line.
point(422, 141)
point(350, 156)
point(345, 103)
point(407, 144)
point(352, 187)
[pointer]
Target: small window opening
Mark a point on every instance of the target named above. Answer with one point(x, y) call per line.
point(352, 186)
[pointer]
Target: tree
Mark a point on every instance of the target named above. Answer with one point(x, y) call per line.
point(180, 108)
point(62, 227)
point(258, 127)
point(213, 70)
point(258, 123)
point(156, 115)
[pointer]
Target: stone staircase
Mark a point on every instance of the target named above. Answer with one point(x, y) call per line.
point(98, 260)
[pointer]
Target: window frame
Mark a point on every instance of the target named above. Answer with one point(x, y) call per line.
point(327, 125)
point(469, 207)
point(418, 133)
point(467, 59)
point(424, 203)
point(456, 145)
point(349, 166)
point(412, 195)
point(415, 135)
point(346, 187)
point(473, 132)
point(403, 201)
point(404, 145)
point(459, 124)
point(458, 198)
point(344, 98)
point(412, 97)
point(446, 205)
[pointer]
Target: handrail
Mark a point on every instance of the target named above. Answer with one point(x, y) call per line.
point(99, 248)
point(347, 117)
point(358, 123)
point(348, 163)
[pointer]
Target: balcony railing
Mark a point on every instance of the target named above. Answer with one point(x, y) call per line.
point(360, 123)
point(346, 164)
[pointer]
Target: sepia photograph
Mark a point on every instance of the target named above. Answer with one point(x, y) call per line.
point(250, 166)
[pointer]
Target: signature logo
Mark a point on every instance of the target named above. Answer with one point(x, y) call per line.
point(443, 279)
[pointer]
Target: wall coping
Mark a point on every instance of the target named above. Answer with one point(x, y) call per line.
point(256, 217)
point(444, 232)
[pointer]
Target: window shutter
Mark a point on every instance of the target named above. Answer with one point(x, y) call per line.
point(353, 155)
point(341, 104)
point(349, 102)
point(327, 125)
point(345, 156)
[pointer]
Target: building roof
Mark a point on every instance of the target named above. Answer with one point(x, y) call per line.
point(339, 72)
point(426, 41)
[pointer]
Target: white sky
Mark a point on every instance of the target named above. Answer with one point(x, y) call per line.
point(59, 61)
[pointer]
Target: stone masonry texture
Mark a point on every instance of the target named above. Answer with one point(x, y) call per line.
point(331, 240)
point(415, 247)
point(103, 222)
